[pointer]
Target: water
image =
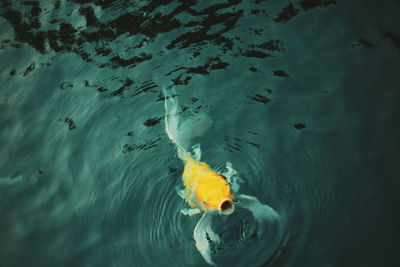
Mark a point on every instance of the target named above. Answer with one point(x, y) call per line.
point(303, 99)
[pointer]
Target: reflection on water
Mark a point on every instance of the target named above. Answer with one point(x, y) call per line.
point(302, 98)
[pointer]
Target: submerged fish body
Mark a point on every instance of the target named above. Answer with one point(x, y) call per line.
point(205, 188)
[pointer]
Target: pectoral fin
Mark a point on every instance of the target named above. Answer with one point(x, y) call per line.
point(190, 212)
point(232, 177)
point(261, 212)
point(202, 229)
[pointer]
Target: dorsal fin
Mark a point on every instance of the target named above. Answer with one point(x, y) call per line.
point(196, 152)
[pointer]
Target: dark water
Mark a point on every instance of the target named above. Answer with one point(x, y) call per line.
point(305, 102)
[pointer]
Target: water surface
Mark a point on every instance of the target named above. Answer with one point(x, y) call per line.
point(304, 101)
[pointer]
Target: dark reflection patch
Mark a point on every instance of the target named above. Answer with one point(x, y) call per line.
point(253, 69)
point(272, 45)
point(152, 122)
point(311, 4)
point(365, 42)
point(90, 17)
point(235, 144)
point(255, 53)
point(260, 98)
point(146, 86)
point(258, 146)
point(188, 26)
point(70, 122)
point(280, 73)
point(117, 61)
point(120, 91)
point(393, 37)
point(299, 126)
point(65, 85)
point(287, 13)
point(140, 147)
point(29, 69)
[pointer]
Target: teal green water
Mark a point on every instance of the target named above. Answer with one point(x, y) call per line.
point(304, 101)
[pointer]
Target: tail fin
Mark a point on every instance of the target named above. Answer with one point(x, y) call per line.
point(172, 120)
point(183, 133)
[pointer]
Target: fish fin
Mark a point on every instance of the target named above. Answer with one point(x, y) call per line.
point(182, 132)
point(214, 237)
point(186, 195)
point(196, 152)
point(232, 177)
point(180, 192)
point(172, 120)
point(203, 227)
point(261, 212)
point(190, 212)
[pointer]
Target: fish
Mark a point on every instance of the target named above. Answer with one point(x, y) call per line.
point(206, 190)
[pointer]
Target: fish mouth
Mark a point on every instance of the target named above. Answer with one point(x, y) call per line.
point(226, 206)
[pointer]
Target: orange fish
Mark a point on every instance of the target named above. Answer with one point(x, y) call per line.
point(205, 189)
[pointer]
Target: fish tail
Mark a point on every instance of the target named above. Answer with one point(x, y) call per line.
point(172, 121)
